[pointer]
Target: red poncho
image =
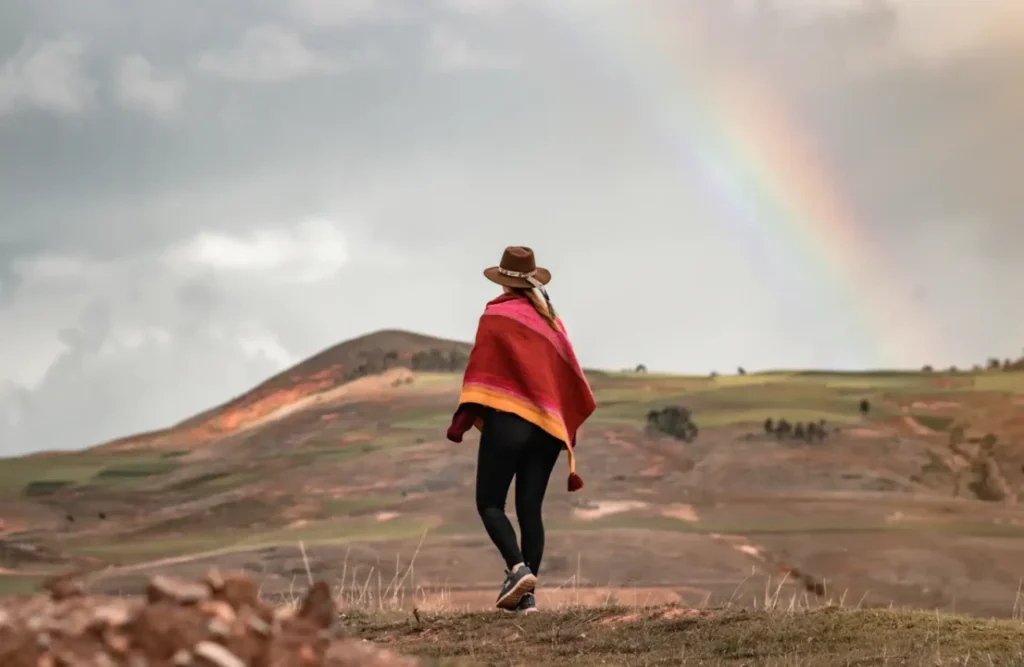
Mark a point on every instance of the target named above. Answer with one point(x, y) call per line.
point(519, 364)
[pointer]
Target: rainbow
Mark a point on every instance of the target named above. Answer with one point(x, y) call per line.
point(755, 163)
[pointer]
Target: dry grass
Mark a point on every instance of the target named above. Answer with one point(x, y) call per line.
point(778, 629)
point(825, 637)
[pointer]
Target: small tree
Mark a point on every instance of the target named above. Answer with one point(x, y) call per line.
point(640, 368)
point(741, 370)
point(865, 406)
point(927, 368)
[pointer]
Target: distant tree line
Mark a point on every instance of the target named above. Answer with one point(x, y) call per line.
point(993, 364)
point(808, 432)
point(377, 361)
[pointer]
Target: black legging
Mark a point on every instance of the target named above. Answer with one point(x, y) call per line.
point(513, 447)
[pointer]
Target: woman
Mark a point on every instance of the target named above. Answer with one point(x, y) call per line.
point(525, 391)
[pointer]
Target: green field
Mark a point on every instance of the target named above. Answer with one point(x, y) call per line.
point(82, 468)
point(330, 531)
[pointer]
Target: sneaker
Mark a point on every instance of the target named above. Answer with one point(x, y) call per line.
point(528, 605)
point(517, 584)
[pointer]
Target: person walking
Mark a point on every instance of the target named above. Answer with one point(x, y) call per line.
point(525, 391)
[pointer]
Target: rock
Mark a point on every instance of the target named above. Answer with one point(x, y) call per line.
point(174, 625)
point(318, 607)
point(217, 655)
point(167, 588)
point(239, 591)
point(64, 586)
point(214, 580)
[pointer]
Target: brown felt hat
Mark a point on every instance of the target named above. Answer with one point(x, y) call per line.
point(518, 268)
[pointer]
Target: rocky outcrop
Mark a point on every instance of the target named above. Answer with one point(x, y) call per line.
point(217, 622)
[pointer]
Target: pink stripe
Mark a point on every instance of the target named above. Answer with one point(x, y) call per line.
point(521, 311)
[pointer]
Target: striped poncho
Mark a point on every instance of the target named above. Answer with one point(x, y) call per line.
point(519, 364)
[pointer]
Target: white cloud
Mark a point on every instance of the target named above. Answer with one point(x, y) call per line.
point(141, 89)
point(46, 75)
point(477, 7)
point(264, 345)
point(56, 268)
point(307, 253)
point(448, 51)
point(267, 54)
point(134, 338)
point(330, 13)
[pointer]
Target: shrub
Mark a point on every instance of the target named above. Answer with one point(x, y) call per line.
point(674, 420)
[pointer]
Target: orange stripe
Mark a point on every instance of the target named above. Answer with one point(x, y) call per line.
point(507, 403)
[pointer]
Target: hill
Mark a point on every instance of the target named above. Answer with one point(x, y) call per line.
point(368, 355)
point(912, 500)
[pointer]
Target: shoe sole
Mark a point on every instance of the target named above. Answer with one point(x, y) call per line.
point(511, 599)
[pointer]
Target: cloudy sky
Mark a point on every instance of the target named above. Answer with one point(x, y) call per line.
point(197, 193)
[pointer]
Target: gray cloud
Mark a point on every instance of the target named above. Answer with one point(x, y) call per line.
point(267, 54)
point(46, 75)
point(141, 88)
point(195, 197)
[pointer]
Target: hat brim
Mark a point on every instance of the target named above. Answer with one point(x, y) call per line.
point(543, 276)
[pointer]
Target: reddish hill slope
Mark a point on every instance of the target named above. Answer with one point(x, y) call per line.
point(366, 355)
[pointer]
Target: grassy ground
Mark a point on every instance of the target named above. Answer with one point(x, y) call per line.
point(18, 585)
point(79, 468)
point(827, 637)
point(229, 541)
